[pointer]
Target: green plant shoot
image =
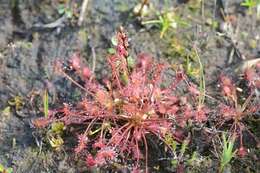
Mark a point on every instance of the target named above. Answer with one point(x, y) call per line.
point(250, 4)
point(227, 153)
point(202, 85)
point(5, 170)
point(46, 103)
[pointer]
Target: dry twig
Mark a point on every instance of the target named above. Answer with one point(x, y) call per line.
point(82, 12)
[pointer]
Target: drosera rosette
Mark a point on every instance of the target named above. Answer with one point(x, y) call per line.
point(236, 107)
point(119, 113)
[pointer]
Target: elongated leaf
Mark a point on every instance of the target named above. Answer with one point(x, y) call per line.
point(46, 103)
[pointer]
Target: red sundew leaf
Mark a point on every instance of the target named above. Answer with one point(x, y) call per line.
point(154, 125)
point(82, 141)
point(90, 161)
point(99, 144)
point(193, 90)
point(86, 73)
point(137, 79)
point(100, 160)
point(117, 138)
point(156, 94)
point(178, 135)
point(173, 110)
point(74, 119)
point(144, 62)
point(227, 111)
point(107, 83)
point(137, 135)
point(57, 66)
point(254, 109)
point(146, 91)
point(136, 153)
point(130, 108)
point(160, 128)
point(180, 168)
point(250, 74)
point(84, 104)
point(179, 77)
point(104, 155)
point(136, 169)
point(91, 108)
point(157, 74)
point(121, 50)
point(258, 66)
point(92, 86)
point(181, 122)
point(122, 43)
point(107, 153)
point(41, 122)
point(188, 112)
point(242, 152)
point(114, 64)
point(65, 110)
point(134, 90)
point(75, 61)
point(170, 100)
point(225, 81)
point(227, 90)
point(162, 109)
point(104, 99)
point(200, 114)
point(257, 83)
point(165, 128)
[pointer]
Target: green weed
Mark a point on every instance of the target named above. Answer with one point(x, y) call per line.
point(228, 153)
point(251, 4)
point(166, 21)
point(5, 170)
point(202, 85)
point(46, 103)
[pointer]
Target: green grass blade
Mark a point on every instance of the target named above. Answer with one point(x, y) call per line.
point(46, 103)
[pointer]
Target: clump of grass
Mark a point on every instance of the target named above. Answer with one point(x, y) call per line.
point(167, 20)
point(46, 103)
point(251, 4)
point(202, 84)
point(228, 151)
point(5, 170)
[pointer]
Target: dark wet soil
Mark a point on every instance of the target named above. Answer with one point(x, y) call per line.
point(28, 51)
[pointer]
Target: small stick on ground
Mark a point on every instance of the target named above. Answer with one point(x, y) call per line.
point(145, 2)
point(82, 12)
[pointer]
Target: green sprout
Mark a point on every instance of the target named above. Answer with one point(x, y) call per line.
point(46, 103)
point(251, 4)
point(227, 153)
point(62, 9)
point(5, 170)
point(166, 21)
point(202, 85)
